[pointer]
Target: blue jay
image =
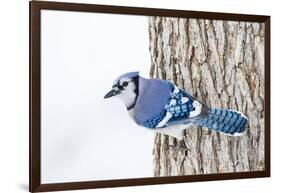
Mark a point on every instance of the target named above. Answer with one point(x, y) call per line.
point(163, 107)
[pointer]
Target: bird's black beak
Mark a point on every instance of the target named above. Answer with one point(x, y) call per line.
point(111, 94)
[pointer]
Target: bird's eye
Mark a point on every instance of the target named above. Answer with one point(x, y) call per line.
point(125, 83)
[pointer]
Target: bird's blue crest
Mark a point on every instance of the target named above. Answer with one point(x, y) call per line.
point(129, 75)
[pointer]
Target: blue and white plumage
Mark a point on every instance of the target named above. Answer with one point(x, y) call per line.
point(163, 107)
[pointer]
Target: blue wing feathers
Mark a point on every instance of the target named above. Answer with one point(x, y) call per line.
point(179, 109)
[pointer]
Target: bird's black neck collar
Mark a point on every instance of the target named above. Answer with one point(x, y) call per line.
point(136, 91)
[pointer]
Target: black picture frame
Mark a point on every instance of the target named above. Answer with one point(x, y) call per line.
point(35, 161)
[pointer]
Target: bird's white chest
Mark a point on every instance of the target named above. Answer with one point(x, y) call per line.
point(131, 113)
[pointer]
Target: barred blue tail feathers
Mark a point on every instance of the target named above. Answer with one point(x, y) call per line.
point(229, 122)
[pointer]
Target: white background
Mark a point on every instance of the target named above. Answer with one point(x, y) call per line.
point(14, 95)
point(85, 137)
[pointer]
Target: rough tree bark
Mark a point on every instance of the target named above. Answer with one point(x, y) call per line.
point(222, 64)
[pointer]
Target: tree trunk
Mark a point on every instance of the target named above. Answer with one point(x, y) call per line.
point(222, 64)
